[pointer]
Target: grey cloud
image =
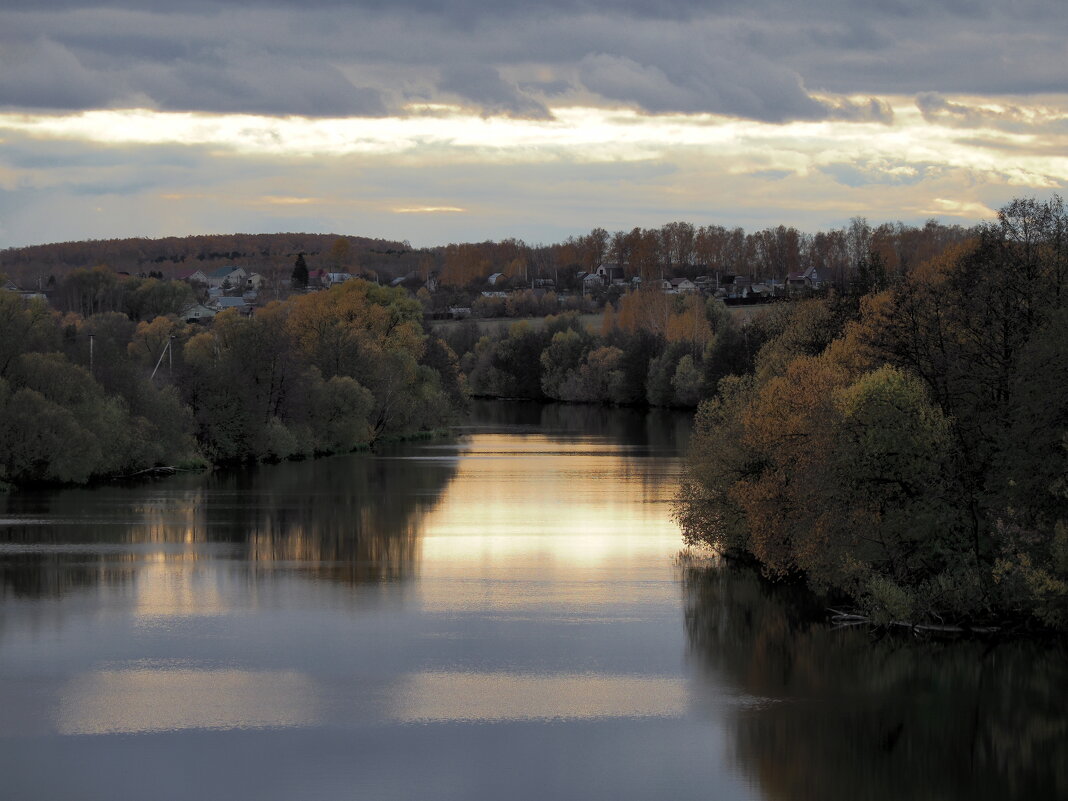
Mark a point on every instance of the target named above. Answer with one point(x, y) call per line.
point(737, 84)
point(1049, 128)
point(45, 74)
point(49, 75)
point(483, 85)
point(764, 59)
point(936, 108)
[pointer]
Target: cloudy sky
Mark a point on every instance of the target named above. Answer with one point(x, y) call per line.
point(472, 119)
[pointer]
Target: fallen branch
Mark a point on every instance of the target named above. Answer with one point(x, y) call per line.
point(843, 619)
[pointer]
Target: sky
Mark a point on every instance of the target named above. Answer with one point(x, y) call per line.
point(479, 119)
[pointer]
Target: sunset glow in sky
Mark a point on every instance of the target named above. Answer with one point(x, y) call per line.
point(492, 120)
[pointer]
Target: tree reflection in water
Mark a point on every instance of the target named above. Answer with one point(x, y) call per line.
point(352, 519)
point(843, 714)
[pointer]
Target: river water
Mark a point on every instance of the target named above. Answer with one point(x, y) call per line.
point(498, 616)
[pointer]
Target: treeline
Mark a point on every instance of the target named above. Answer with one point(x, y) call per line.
point(99, 289)
point(683, 249)
point(103, 395)
point(672, 250)
point(269, 254)
point(656, 350)
point(909, 450)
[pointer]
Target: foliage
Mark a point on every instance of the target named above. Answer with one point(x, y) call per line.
point(82, 397)
point(912, 449)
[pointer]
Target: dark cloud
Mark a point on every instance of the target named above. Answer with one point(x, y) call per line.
point(482, 84)
point(770, 60)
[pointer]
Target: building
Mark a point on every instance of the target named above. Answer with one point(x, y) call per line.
point(197, 313)
point(610, 272)
point(232, 277)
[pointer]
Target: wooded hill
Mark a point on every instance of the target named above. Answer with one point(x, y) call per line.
point(271, 255)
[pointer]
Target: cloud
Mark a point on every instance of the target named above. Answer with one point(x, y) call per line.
point(482, 84)
point(884, 172)
point(768, 60)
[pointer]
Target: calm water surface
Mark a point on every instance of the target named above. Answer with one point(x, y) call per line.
point(501, 616)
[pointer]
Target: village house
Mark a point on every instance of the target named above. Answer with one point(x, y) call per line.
point(239, 304)
point(330, 279)
point(683, 285)
point(195, 277)
point(25, 294)
point(197, 313)
point(227, 277)
point(590, 281)
point(610, 272)
point(802, 280)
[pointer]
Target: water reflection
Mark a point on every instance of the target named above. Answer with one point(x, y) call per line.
point(838, 714)
point(351, 519)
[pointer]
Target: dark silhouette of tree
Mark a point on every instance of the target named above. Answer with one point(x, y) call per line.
point(299, 278)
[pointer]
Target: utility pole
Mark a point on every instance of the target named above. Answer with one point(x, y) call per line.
point(166, 349)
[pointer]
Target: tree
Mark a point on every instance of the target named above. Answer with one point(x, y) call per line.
point(299, 278)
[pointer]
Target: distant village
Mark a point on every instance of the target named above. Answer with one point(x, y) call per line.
point(234, 287)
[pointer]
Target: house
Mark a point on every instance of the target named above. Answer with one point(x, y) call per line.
point(610, 272)
point(197, 313)
point(544, 283)
point(459, 312)
point(330, 279)
point(254, 281)
point(683, 285)
point(224, 277)
point(195, 277)
point(806, 279)
point(591, 281)
point(758, 291)
point(494, 279)
point(222, 304)
point(25, 294)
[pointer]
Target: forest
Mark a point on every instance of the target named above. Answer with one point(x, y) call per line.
point(907, 450)
point(673, 249)
point(103, 395)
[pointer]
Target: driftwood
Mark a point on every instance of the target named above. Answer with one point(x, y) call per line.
point(843, 619)
point(162, 470)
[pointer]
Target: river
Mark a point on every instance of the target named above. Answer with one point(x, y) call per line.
point(499, 615)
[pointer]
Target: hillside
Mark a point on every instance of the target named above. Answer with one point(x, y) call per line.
point(269, 254)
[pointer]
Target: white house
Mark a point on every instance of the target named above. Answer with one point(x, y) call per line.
point(683, 285)
point(232, 276)
point(335, 278)
point(197, 313)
